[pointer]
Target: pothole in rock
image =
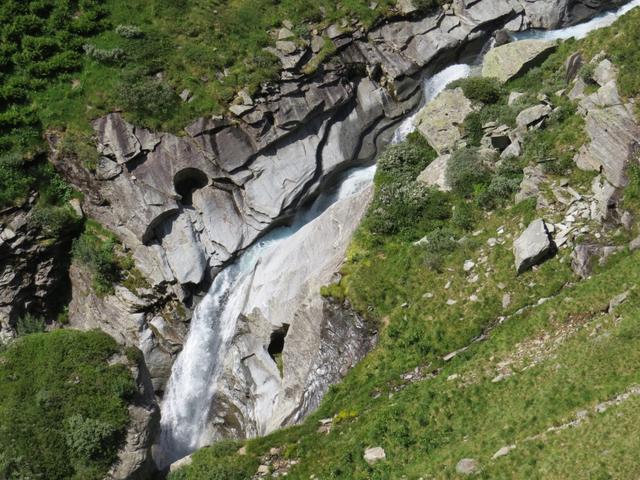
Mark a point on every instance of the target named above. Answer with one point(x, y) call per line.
point(276, 345)
point(187, 181)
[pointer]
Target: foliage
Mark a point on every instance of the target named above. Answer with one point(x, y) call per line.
point(230, 466)
point(86, 438)
point(467, 171)
point(28, 324)
point(480, 89)
point(144, 97)
point(95, 248)
point(402, 204)
point(63, 409)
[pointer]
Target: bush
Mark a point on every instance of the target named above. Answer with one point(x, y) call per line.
point(586, 73)
point(15, 181)
point(436, 244)
point(463, 216)
point(402, 163)
point(87, 437)
point(467, 171)
point(147, 98)
point(63, 413)
point(129, 31)
point(29, 324)
point(103, 55)
point(98, 254)
point(55, 221)
point(480, 89)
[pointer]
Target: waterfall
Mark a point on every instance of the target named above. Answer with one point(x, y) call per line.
point(580, 30)
point(191, 387)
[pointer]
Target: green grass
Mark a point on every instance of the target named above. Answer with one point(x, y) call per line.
point(63, 409)
point(102, 254)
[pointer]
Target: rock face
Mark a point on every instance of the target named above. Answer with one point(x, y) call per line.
point(33, 269)
point(319, 341)
point(585, 256)
point(134, 458)
point(514, 59)
point(439, 121)
point(612, 129)
point(148, 319)
point(533, 246)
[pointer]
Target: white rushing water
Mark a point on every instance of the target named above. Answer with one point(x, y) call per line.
point(582, 29)
point(191, 387)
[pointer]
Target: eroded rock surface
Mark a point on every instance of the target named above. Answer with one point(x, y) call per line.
point(319, 341)
point(440, 120)
point(514, 59)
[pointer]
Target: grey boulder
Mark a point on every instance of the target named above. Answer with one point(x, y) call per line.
point(533, 246)
point(514, 59)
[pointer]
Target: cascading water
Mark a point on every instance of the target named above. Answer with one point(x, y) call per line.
point(582, 29)
point(191, 387)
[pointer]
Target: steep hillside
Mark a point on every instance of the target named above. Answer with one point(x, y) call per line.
point(481, 370)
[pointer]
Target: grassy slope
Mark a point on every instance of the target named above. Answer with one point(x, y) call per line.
point(567, 354)
point(63, 409)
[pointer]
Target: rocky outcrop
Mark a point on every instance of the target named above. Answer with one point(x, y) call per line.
point(585, 257)
point(533, 246)
point(440, 120)
point(318, 340)
point(514, 59)
point(612, 129)
point(149, 319)
point(134, 457)
point(33, 268)
point(533, 117)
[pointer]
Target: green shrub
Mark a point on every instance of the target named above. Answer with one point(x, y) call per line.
point(467, 171)
point(87, 437)
point(147, 98)
point(218, 462)
point(15, 180)
point(463, 216)
point(586, 73)
point(97, 252)
point(55, 221)
point(480, 89)
point(129, 31)
point(28, 324)
point(63, 408)
point(104, 55)
point(436, 245)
